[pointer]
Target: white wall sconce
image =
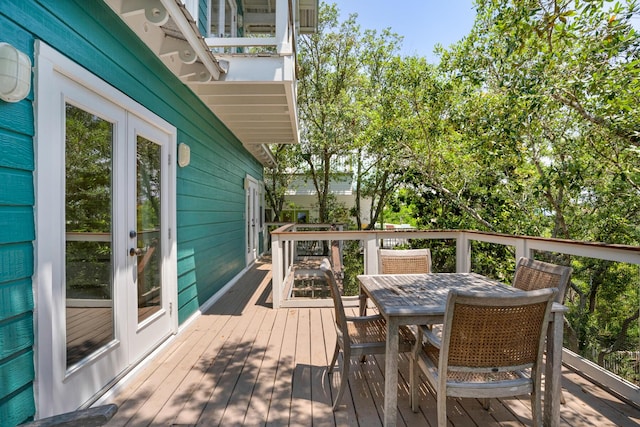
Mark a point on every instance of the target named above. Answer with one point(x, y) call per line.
point(15, 74)
point(184, 155)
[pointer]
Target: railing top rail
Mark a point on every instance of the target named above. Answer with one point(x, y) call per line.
point(558, 241)
point(287, 229)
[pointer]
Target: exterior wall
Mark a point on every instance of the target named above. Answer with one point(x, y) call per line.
point(203, 19)
point(302, 196)
point(210, 191)
point(17, 232)
point(310, 203)
point(198, 10)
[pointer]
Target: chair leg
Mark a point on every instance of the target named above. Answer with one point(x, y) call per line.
point(335, 357)
point(536, 409)
point(344, 379)
point(363, 304)
point(536, 402)
point(441, 407)
point(486, 403)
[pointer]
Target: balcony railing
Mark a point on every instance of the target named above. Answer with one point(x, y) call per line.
point(287, 240)
point(265, 28)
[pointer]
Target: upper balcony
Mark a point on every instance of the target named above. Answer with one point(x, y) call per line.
point(256, 39)
point(238, 56)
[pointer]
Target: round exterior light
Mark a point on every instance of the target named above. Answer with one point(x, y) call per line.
point(184, 155)
point(15, 74)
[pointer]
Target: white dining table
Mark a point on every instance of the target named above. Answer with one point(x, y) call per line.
point(420, 299)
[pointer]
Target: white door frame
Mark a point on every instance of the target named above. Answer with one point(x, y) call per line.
point(253, 222)
point(58, 80)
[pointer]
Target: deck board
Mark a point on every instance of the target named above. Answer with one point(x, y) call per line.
point(283, 360)
point(244, 363)
point(258, 406)
point(320, 395)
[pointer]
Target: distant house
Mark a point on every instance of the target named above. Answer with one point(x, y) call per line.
point(301, 197)
point(130, 178)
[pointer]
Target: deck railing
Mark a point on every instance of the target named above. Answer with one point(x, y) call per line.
point(284, 248)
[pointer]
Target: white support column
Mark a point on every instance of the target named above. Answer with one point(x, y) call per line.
point(522, 249)
point(221, 18)
point(463, 253)
point(287, 257)
point(371, 254)
point(277, 262)
point(233, 30)
point(283, 35)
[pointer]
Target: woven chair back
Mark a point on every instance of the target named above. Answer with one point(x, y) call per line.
point(532, 274)
point(341, 320)
point(494, 332)
point(405, 261)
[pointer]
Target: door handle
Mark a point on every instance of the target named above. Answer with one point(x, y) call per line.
point(135, 251)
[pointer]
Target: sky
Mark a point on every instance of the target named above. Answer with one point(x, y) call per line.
point(422, 23)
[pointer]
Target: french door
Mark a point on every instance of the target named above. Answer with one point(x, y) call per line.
point(106, 278)
point(253, 217)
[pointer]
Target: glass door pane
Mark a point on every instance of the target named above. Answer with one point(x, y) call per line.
point(88, 219)
point(149, 216)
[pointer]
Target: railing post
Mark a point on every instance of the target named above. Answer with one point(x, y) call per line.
point(294, 246)
point(463, 253)
point(522, 249)
point(371, 253)
point(277, 264)
point(287, 256)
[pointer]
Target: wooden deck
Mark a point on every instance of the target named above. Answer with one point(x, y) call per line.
point(243, 363)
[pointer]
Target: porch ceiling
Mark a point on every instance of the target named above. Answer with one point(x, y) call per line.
point(256, 99)
point(254, 96)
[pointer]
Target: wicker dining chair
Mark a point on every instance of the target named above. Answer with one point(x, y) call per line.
point(492, 346)
point(358, 335)
point(404, 261)
point(532, 274)
point(400, 261)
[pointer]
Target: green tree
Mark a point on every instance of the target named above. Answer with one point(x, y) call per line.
point(279, 178)
point(551, 94)
point(379, 159)
point(328, 76)
point(341, 85)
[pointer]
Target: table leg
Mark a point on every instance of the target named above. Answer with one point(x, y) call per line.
point(391, 374)
point(553, 371)
point(362, 303)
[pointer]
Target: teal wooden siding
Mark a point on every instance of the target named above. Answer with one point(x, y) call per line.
point(210, 191)
point(16, 247)
point(203, 8)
